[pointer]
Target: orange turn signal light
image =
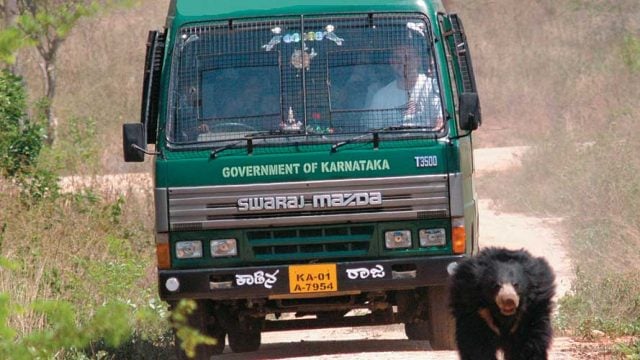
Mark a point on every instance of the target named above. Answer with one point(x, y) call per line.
point(164, 256)
point(459, 238)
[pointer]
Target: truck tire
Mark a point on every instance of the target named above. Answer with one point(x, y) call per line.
point(418, 330)
point(441, 323)
point(202, 321)
point(244, 341)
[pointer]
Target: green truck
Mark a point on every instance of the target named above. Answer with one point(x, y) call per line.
point(313, 164)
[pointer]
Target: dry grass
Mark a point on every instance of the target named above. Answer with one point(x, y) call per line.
point(55, 255)
point(546, 65)
point(100, 68)
point(563, 76)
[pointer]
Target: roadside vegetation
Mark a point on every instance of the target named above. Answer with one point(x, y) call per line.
point(75, 267)
point(77, 264)
point(563, 76)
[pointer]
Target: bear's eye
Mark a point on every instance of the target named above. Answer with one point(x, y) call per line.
point(516, 286)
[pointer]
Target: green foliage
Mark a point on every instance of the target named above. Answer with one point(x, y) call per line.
point(631, 52)
point(21, 140)
point(5, 331)
point(46, 22)
point(53, 254)
point(24, 146)
point(11, 40)
point(608, 303)
point(113, 277)
point(77, 150)
point(12, 101)
point(38, 185)
point(629, 351)
point(52, 19)
point(189, 337)
point(63, 331)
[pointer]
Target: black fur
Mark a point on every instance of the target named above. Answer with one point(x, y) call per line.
point(525, 335)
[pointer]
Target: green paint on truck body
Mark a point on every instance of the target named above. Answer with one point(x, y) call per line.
point(218, 189)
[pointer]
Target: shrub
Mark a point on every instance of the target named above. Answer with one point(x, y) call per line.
point(20, 139)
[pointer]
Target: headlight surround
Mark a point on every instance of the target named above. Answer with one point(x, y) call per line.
point(397, 239)
point(189, 249)
point(224, 247)
point(432, 237)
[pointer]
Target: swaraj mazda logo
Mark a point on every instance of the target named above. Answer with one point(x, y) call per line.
point(344, 200)
point(318, 201)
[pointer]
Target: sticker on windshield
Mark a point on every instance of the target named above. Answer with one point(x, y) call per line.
point(296, 37)
point(186, 39)
point(275, 40)
point(302, 59)
point(417, 27)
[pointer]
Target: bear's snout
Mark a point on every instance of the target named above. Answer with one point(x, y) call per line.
point(507, 300)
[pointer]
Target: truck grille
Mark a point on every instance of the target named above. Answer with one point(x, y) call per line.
point(311, 242)
point(401, 198)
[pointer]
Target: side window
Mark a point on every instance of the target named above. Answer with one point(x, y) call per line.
point(445, 26)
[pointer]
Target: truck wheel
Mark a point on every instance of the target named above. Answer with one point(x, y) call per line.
point(202, 321)
point(244, 341)
point(441, 323)
point(418, 330)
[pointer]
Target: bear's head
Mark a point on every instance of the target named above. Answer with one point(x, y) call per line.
point(504, 285)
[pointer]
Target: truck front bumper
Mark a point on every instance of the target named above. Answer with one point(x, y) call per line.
point(273, 281)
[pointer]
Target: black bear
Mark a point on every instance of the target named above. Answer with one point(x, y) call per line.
point(502, 299)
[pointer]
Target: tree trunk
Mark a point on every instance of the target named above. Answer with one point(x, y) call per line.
point(49, 74)
point(10, 12)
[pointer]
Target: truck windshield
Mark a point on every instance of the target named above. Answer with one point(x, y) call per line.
point(322, 78)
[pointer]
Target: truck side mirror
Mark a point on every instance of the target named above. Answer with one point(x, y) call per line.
point(133, 142)
point(470, 117)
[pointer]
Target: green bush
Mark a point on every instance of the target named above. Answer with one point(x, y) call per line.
point(20, 139)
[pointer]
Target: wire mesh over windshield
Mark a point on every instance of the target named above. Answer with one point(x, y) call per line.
point(321, 77)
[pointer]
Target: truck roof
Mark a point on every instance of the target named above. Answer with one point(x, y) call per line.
point(189, 11)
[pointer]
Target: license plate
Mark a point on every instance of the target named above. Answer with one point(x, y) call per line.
point(314, 278)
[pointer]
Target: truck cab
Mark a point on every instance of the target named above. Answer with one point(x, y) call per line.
point(312, 162)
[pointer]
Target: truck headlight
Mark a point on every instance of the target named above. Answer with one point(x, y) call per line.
point(224, 247)
point(432, 237)
point(399, 239)
point(188, 249)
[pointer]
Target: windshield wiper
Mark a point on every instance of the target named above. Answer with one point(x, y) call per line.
point(270, 133)
point(220, 149)
point(376, 139)
point(376, 135)
point(249, 139)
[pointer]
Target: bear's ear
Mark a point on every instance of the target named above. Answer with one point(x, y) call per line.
point(466, 271)
point(542, 279)
point(465, 281)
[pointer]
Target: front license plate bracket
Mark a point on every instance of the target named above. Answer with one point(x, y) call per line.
point(314, 278)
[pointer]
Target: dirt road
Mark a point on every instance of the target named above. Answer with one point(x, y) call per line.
point(516, 231)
